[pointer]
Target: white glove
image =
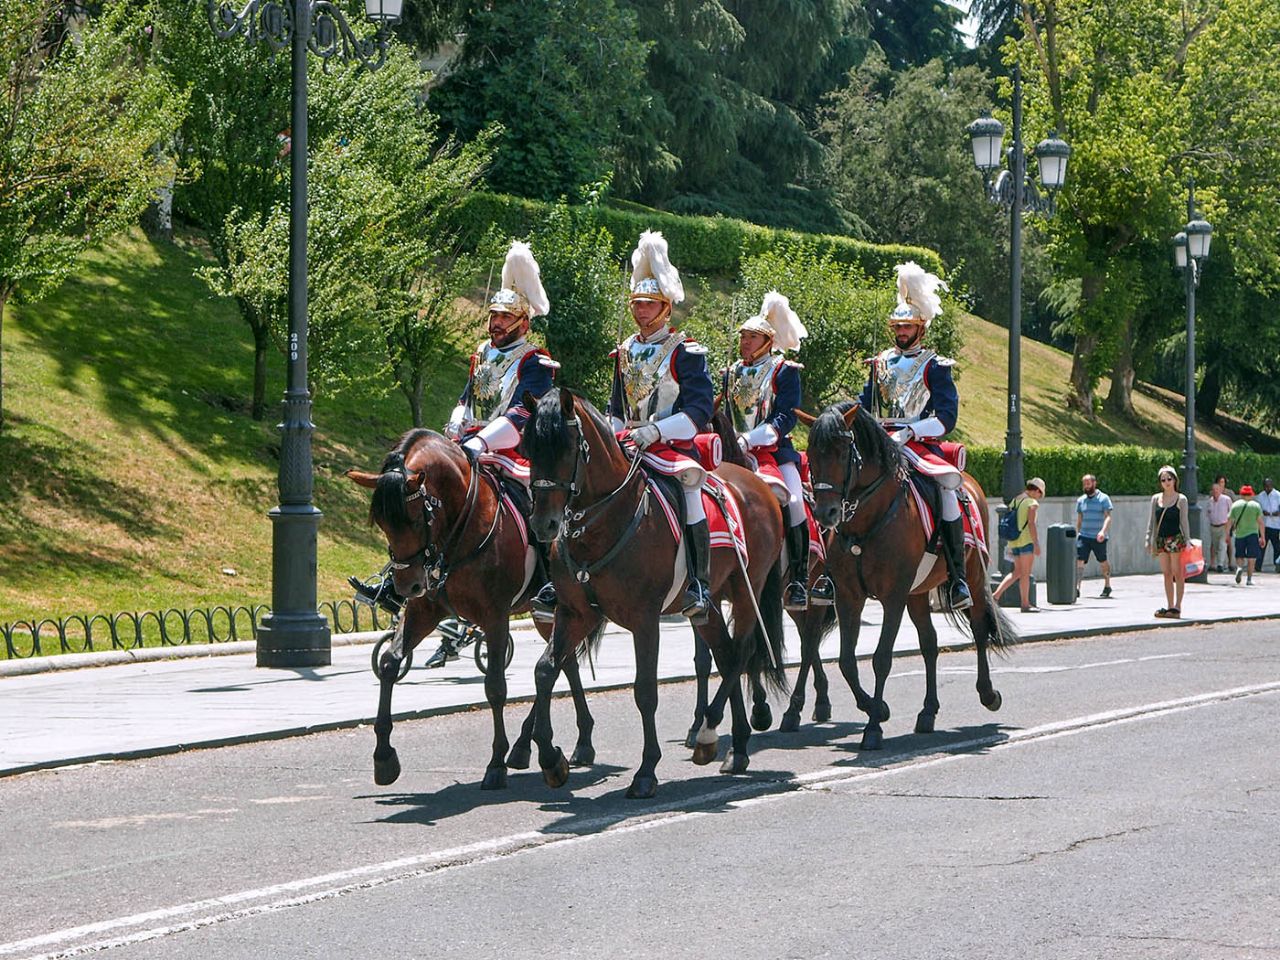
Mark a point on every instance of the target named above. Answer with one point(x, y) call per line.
point(453, 429)
point(763, 436)
point(645, 434)
point(474, 444)
point(903, 436)
point(617, 424)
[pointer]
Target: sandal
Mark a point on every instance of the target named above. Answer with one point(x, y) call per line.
point(1174, 613)
point(1162, 613)
point(1030, 609)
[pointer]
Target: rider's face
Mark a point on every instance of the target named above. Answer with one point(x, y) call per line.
point(751, 344)
point(505, 328)
point(648, 314)
point(906, 333)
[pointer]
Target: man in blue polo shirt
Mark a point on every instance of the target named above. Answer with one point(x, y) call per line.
point(1093, 521)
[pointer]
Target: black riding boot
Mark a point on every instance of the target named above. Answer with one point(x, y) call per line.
point(797, 596)
point(958, 596)
point(377, 591)
point(543, 603)
point(697, 552)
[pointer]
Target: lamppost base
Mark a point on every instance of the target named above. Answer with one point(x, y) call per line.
point(293, 634)
point(294, 640)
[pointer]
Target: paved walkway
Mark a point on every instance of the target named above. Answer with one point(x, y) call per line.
point(60, 717)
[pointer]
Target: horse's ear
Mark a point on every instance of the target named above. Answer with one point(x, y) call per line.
point(413, 481)
point(363, 478)
point(529, 402)
point(566, 401)
point(808, 419)
point(851, 413)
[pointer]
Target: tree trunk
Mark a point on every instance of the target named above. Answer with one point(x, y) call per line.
point(411, 387)
point(1120, 399)
point(1081, 395)
point(261, 340)
point(1209, 391)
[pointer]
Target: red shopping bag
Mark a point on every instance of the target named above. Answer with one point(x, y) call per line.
point(1192, 557)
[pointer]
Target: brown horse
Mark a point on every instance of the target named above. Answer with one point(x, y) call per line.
point(616, 557)
point(860, 488)
point(813, 624)
point(455, 551)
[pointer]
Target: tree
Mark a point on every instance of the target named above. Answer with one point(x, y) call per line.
point(913, 32)
point(561, 77)
point(80, 116)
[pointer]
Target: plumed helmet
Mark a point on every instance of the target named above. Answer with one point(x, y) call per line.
point(522, 291)
point(778, 322)
point(918, 298)
point(652, 275)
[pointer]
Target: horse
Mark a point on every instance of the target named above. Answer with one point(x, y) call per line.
point(813, 624)
point(455, 550)
point(616, 557)
point(861, 489)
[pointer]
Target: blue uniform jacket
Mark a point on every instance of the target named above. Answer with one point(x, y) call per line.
point(533, 377)
point(944, 402)
point(697, 396)
point(782, 413)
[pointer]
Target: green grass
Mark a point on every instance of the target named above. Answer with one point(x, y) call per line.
point(131, 475)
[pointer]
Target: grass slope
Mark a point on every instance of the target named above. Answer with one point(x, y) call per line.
point(131, 475)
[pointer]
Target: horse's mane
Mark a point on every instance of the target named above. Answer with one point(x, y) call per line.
point(548, 435)
point(874, 443)
point(389, 508)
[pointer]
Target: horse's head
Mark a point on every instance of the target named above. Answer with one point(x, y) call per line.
point(835, 461)
point(558, 454)
point(405, 510)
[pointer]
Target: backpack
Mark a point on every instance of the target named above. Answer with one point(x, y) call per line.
point(1008, 528)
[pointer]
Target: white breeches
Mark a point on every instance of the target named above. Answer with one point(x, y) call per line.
point(950, 502)
point(693, 511)
point(795, 501)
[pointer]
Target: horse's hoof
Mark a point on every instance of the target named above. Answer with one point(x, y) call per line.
point(583, 756)
point(924, 723)
point(871, 739)
point(821, 712)
point(557, 775)
point(642, 788)
point(518, 758)
point(386, 770)
point(761, 717)
point(691, 739)
point(790, 722)
point(495, 778)
point(993, 701)
point(704, 753)
point(735, 763)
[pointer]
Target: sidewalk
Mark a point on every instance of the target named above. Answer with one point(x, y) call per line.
point(62, 717)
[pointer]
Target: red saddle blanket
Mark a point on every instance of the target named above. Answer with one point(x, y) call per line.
point(975, 531)
point(767, 467)
point(726, 527)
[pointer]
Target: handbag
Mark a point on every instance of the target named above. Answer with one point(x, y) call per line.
point(1192, 558)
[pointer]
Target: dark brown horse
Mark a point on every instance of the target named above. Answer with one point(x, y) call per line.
point(616, 557)
point(860, 488)
point(454, 552)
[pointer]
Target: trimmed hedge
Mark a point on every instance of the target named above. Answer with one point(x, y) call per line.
point(706, 245)
point(1121, 471)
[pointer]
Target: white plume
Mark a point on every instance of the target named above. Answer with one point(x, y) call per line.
point(522, 274)
point(788, 331)
point(650, 260)
point(919, 290)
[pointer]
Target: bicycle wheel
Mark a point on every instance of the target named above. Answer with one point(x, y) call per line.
point(376, 656)
point(481, 654)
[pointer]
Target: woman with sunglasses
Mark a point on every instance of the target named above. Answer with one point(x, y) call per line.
point(1167, 533)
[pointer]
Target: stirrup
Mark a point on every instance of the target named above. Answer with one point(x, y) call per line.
point(958, 596)
point(543, 604)
point(797, 597)
point(697, 603)
point(823, 592)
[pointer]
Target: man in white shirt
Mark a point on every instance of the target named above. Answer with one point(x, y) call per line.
point(1269, 500)
point(1218, 508)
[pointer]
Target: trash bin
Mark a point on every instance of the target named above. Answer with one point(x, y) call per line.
point(1060, 564)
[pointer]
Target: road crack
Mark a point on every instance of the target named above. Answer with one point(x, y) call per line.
point(1072, 847)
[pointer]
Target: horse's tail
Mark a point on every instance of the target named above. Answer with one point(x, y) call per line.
point(590, 646)
point(1000, 632)
point(766, 664)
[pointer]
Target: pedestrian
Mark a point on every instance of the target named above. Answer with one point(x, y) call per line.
point(1025, 547)
point(1269, 501)
point(1217, 511)
point(1244, 523)
point(1093, 523)
point(1230, 494)
point(1167, 534)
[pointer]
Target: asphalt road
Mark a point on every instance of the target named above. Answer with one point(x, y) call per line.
point(1125, 802)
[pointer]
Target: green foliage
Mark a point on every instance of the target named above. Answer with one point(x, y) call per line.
point(562, 78)
point(1121, 470)
point(913, 32)
point(707, 245)
point(81, 120)
point(587, 293)
point(844, 312)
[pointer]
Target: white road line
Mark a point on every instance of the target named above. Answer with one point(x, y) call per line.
point(1004, 668)
point(342, 882)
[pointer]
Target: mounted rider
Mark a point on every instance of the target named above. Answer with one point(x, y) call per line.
point(911, 392)
point(663, 397)
point(489, 417)
point(762, 392)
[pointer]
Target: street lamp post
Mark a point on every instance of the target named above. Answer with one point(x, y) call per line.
point(1190, 250)
point(294, 634)
point(1014, 190)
